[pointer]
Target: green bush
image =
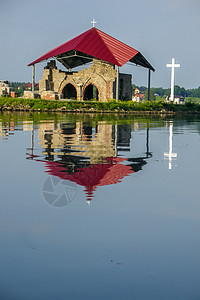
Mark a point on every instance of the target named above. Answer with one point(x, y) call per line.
point(111, 105)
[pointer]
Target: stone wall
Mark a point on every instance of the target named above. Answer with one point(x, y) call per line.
point(101, 74)
point(31, 95)
point(125, 86)
point(49, 95)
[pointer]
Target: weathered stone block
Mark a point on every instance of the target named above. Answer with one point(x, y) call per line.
point(31, 95)
point(49, 95)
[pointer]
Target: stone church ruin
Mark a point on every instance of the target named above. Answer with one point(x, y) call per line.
point(102, 81)
point(97, 82)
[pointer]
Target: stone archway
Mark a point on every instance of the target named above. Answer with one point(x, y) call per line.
point(90, 92)
point(69, 91)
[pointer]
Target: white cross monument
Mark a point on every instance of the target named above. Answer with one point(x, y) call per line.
point(93, 22)
point(170, 154)
point(173, 66)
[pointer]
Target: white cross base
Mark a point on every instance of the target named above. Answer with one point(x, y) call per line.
point(93, 22)
point(173, 66)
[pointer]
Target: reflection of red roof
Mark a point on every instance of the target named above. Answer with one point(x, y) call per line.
point(93, 175)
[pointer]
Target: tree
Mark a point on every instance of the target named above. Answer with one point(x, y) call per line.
point(178, 91)
point(152, 96)
point(160, 91)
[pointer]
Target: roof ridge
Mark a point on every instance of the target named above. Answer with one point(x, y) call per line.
point(116, 39)
point(106, 45)
point(84, 35)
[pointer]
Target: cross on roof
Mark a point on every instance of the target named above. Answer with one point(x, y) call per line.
point(93, 22)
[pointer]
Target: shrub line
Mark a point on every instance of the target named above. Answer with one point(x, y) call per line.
point(113, 106)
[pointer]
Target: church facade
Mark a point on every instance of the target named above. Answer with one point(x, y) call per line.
point(97, 82)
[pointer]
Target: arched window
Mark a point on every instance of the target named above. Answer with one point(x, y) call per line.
point(69, 92)
point(91, 92)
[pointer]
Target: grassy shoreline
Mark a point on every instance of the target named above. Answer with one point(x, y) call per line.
point(153, 107)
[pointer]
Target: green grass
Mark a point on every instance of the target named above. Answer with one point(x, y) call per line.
point(192, 99)
point(112, 105)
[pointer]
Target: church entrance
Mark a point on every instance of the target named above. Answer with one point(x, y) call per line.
point(91, 92)
point(69, 92)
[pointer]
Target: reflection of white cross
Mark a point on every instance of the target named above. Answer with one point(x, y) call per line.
point(94, 22)
point(173, 66)
point(170, 155)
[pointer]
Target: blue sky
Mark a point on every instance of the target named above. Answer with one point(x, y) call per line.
point(159, 29)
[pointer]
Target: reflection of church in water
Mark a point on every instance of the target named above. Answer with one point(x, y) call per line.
point(89, 155)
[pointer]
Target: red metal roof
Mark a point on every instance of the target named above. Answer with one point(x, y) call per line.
point(98, 44)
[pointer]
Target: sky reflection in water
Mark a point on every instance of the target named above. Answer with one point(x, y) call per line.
point(99, 209)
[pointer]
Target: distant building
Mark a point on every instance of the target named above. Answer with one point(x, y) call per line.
point(137, 91)
point(138, 96)
point(29, 86)
point(4, 88)
point(177, 99)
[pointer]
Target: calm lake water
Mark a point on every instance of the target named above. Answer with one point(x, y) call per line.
point(99, 207)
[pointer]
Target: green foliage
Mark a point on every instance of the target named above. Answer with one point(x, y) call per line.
point(166, 92)
point(192, 99)
point(110, 106)
point(152, 96)
point(193, 93)
point(178, 91)
point(160, 91)
point(17, 84)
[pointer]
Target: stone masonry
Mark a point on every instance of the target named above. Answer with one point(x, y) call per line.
point(56, 84)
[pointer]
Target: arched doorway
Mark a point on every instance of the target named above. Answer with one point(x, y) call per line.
point(91, 92)
point(69, 92)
